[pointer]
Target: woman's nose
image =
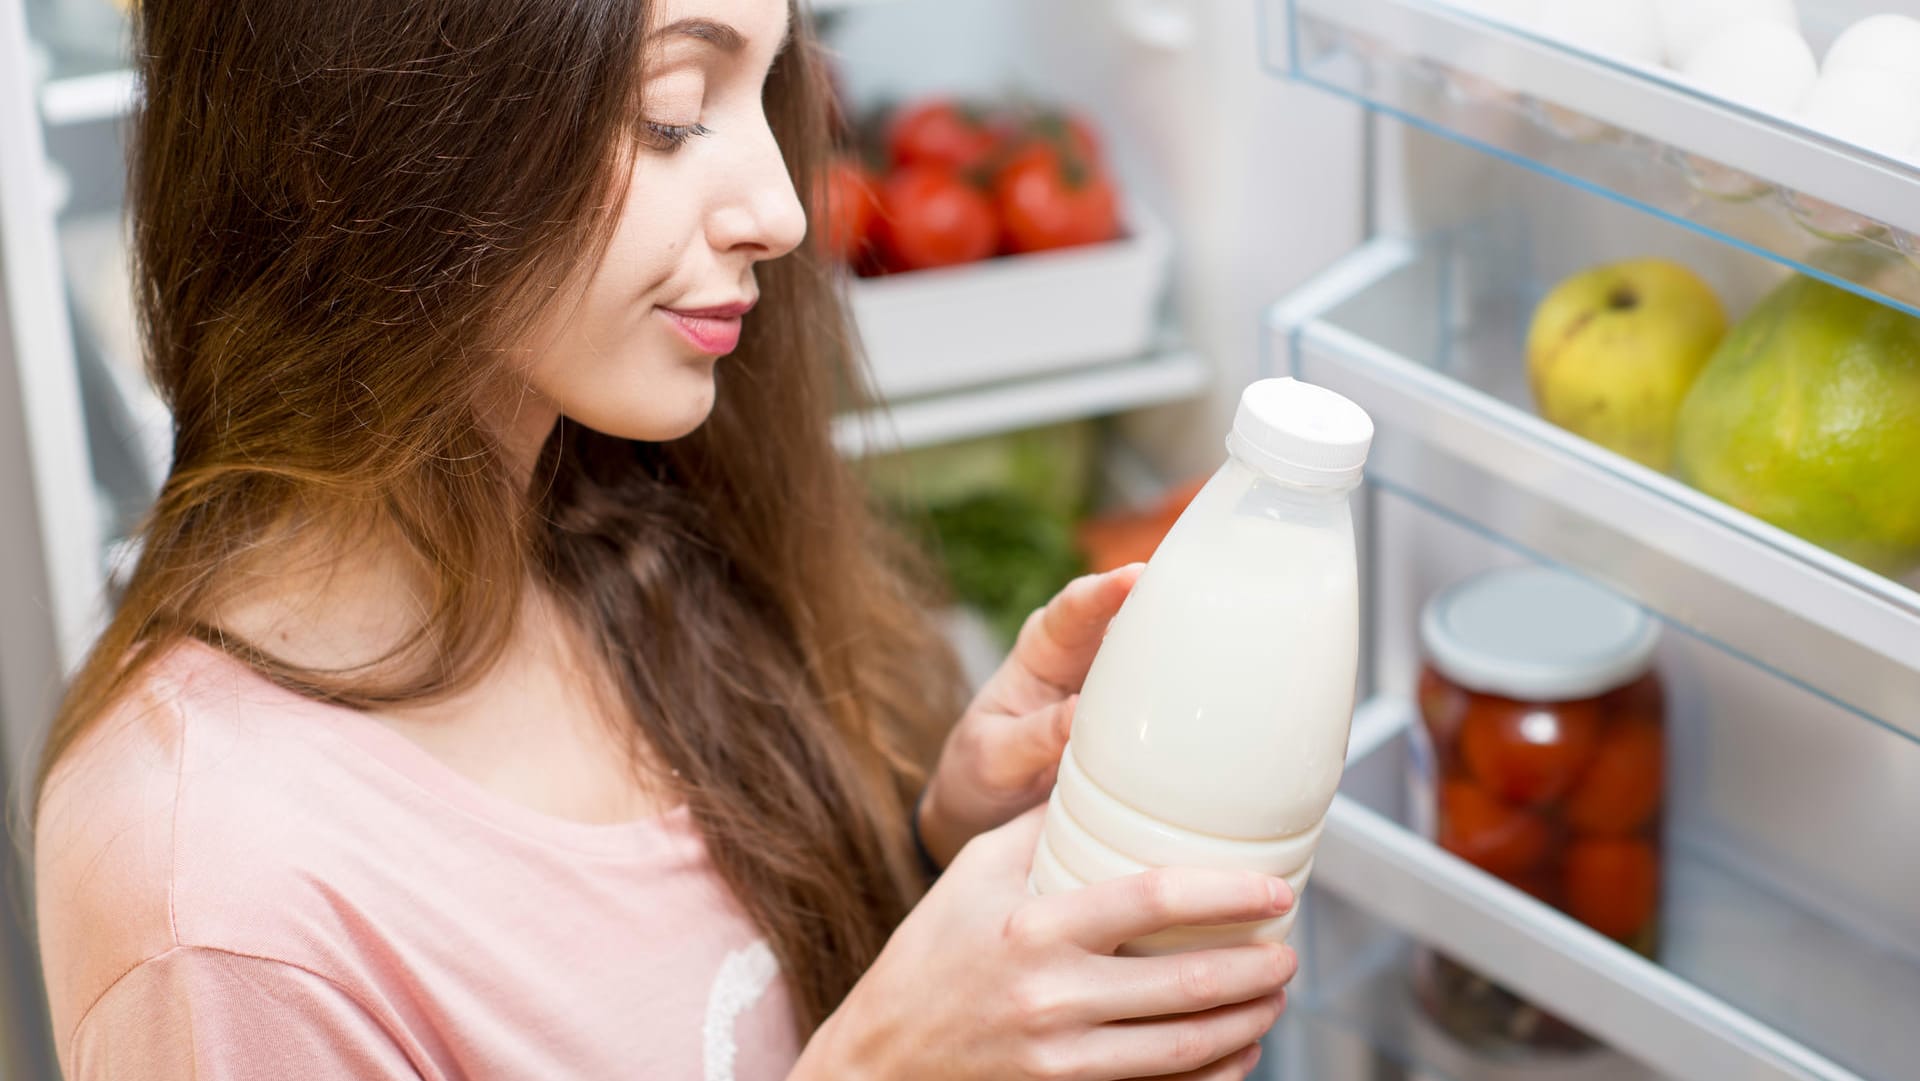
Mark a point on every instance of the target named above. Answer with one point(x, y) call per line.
point(762, 213)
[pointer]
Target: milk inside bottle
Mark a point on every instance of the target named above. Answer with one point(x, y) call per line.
point(1212, 727)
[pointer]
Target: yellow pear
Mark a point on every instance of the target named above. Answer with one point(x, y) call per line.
point(1809, 417)
point(1613, 350)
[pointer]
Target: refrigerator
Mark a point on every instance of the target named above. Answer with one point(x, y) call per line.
point(1371, 195)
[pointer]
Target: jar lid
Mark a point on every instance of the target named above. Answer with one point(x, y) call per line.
point(1536, 635)
point(1301, 433)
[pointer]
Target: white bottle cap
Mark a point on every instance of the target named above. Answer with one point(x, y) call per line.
point(1302, 434)
point(1536, 635)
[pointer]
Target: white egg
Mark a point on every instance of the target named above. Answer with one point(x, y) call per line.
point(1686, 25)
point(1764, 66)
point(1620, 29)
point(1880, 43)
point(1867, 107)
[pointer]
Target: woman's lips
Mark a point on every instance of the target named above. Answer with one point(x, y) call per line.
point(714, 331)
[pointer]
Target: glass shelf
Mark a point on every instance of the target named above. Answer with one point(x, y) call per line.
point(1637, 134)
point(1754, 980)
point(1429, 338)
point(1357, 976)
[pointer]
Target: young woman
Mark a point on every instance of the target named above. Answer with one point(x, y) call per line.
point(513, 683)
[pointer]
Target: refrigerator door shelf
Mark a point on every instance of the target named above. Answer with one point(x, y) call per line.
point(1429, 338)
point(1356, 978)
point(1640, 134)
point(1750, 984)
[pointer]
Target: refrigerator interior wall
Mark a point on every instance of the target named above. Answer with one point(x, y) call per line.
point(1196, 129)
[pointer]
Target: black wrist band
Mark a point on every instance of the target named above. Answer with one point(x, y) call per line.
point(928, 865)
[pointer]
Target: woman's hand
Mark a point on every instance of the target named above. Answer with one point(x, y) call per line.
point(983, 980)
point(1001, 758)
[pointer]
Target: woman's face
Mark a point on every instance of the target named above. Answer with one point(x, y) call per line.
point(630, 350)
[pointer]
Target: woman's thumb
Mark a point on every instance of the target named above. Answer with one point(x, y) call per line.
point(1046, 732)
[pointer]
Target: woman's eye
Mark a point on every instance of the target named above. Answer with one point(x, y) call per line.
point(670, 137)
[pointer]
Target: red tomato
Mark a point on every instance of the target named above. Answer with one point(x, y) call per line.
point(1443, 706)
point(849, 207)
point(1612, 885)
point(942, 132)
point(933, 218)
point(1525, 753)
point(1050, 201)
point(1642, 698)
point(1064, 131)
point(1502, 840)
point(1622, 789)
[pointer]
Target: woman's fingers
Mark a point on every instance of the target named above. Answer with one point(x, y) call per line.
point(1030, 746)
point(1103, 916)
point(1189, 1045)
point(1232, 1068)
point(1130, 988)
point(1058, 642)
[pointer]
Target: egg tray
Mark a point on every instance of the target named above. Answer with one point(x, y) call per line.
point(1810, 234)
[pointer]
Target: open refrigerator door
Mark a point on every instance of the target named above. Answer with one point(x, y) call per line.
point(1513, 154)
point(1382, 197)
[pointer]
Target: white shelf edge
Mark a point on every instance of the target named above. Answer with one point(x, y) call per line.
point(1771, 598)
point(1027, 403)
point(1622, 998)
point(83, 99)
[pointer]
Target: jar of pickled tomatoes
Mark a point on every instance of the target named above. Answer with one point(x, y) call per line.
point(1540, 759)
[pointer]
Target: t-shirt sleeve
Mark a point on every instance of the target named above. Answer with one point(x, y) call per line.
point(209, 1015)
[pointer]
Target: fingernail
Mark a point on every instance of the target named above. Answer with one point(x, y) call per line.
point(1281, 893)
point(1252, 1055)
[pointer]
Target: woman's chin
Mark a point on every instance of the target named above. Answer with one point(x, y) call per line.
point(676, 408)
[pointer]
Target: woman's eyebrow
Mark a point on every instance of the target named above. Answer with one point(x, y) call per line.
point(718, 34)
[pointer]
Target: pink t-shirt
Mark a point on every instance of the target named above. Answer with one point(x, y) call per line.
point(237, 882)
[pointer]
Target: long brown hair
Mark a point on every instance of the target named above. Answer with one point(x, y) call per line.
point(338, 212)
